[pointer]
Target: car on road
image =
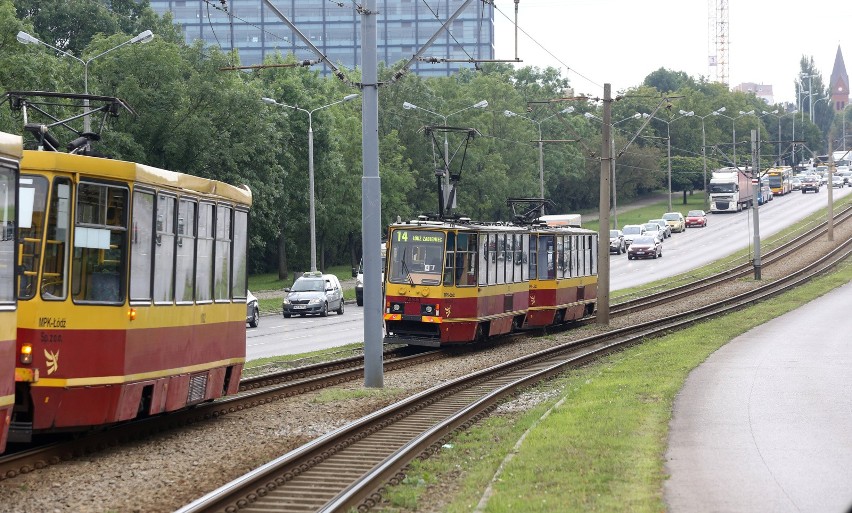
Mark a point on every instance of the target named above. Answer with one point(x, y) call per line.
point(811, 183)
point(616, 242)
point(847, 177)
point(655, 230)
point(837, 182)
point(313, 293)
point(252, 310)
point(675, 221)
point(646, 246)
point(696, 218)
point(666, 228)
point(631, 231)
point(796, 183)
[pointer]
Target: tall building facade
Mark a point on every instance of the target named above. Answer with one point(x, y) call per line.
point(839, 83)
point(257, 31)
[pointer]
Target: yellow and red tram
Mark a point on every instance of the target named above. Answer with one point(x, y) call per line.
point(454, 282)
point(131, 291)
point(11, 149)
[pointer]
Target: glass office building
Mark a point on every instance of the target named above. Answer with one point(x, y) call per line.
point(256, 30)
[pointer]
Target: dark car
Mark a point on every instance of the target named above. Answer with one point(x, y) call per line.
point(810, 183)
point(645, 246)
point(313, 293)
point(252, 311)
point(696, 218)
point(616, 242)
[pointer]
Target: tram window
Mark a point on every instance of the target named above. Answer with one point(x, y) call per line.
point(164, 250)
point(492, 258)
point(98, 272)
point(54, 279)
point(141, 241)
point(520, 268)
point(546, 257)
point(484, 261)
point(7, 235)
point(185, 261)
point(466, 260)
point(240, 281)
point(222, 259)
point(204, 254)
point(593, 256)
point(32, 196)
point(561, 264)
point(450, 259)
point(501, 258)
point(533, 257)
point(575, 255)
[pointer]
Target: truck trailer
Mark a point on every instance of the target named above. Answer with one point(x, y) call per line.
point(730, 190)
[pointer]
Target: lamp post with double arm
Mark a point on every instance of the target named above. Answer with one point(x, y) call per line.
point(538, 122)
point(312, 207)
point(142, 37)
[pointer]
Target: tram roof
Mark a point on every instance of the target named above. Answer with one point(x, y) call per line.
point(11, 145)
point(417, 224)
point(140, 174)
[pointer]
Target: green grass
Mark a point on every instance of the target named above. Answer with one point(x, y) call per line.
point(603, 448)
point(262, 366)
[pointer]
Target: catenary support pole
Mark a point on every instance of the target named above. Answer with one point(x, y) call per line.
point(371, 200)
point(755, 173)
point(603, 221)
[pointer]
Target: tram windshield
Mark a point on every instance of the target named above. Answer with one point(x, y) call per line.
point(7, 235)
point(416, 257)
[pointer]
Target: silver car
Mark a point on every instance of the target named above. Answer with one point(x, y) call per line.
point(252, 310)
point(313, 293)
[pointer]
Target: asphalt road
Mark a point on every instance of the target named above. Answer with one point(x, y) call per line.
point(725, 234)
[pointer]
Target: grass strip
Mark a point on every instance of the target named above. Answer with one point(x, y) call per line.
point(603, 449)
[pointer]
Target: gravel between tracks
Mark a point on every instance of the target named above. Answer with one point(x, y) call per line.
point(165, 472)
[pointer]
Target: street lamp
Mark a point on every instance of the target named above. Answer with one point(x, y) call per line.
point(810, 96)
point(312, 207)
point(142, 37)
point(589, 115)
point(775, 113)
point(718, 112)
point(704, 152)
point(683, 114)
point(510, 114)
point(479, 105)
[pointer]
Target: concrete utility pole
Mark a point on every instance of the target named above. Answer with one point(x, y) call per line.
point(755, 168)
point(829, 220)
point(603, 221)
point(371, 201)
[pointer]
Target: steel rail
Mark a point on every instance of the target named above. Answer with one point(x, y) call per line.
point(348, 468)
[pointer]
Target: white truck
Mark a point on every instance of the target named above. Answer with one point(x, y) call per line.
point(730, 190)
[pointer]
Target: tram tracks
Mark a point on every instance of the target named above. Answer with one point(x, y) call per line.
point(274, 386)
point(348, 468)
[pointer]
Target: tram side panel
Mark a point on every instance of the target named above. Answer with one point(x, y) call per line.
point(11, 148)
point(110, 339)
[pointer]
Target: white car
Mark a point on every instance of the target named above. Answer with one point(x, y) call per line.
point(631, 231)
point(252, 310)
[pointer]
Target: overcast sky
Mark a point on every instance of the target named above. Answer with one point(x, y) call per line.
point(621, 41)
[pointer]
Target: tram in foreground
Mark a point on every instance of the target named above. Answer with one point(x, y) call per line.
point(11, 148)
point(131, 291)
point(454, 281)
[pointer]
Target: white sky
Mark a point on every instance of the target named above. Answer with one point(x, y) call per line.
point(621, 41)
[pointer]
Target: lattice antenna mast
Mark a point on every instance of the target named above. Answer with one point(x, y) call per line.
point(722, 41)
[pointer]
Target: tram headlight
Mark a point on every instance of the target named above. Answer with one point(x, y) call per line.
point(429, 310)
point(26, 353)
point(395, 308)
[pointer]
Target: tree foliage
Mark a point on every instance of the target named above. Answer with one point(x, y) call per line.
point(193, 117)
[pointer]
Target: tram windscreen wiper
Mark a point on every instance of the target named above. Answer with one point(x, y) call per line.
point(404, 267)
